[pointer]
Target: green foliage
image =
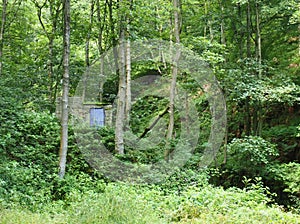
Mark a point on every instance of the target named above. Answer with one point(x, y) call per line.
point(243, 83)
point(286, 139)
point(184, 178)
point(250, 154)
point(34, 186)
point(249, 157)
point(289, 174)
point(212, 53)
point(30, 137)
point(118, 204)
point(215, 205)
point(121, 203)
point(145, 109)
point(24, 185)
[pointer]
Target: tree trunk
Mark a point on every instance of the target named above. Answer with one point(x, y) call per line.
point(247, 113)
point(54, 11)
point(112, 31)
point(248, 30)
point(128, 67)
point(222, 26)
point(120, 116)
point(101, 24)
point(176, 9)
point(259, 61)
point(65, 111)
point(258, 38)
point(205, 13)
point(88, 37)
point(128, 84)
point(87, 48)
point(2, 30)
point(241, 33)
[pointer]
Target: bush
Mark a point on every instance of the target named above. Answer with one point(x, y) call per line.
point(30, 137)
point(250, 154)
point(287, 141)
point(249, 157)
point(216, 205)
point(286, 180)
point(24, 186)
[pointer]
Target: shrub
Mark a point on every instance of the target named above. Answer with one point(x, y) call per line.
point(216, 205)
point(286, 179)
point(25, 186)
point(248, 157)
point(30, 137)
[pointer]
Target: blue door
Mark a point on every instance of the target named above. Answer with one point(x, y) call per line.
point(97, 117)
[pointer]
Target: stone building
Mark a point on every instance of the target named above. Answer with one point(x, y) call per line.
point(94, 114)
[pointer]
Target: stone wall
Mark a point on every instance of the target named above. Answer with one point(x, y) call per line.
point(81, 111)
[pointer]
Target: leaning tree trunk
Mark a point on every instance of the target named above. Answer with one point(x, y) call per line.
point(65, 112)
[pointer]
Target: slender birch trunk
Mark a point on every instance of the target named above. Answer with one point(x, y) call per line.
point(121, 101)
point(88, 37)
point(128, 83)
point(259, 61)
point(222, 26)
point(65, 112)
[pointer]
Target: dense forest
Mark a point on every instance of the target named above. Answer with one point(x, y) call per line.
point(132, 111)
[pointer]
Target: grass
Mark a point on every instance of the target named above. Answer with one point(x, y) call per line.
point(123, 204)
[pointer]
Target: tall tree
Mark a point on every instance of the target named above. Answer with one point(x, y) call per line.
point(128, 81)
point(259, 63)
point(128, 64)
point(102, 25)
point(124, 90)
point(120, 116)
point(176, 30)
point(65, 101)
